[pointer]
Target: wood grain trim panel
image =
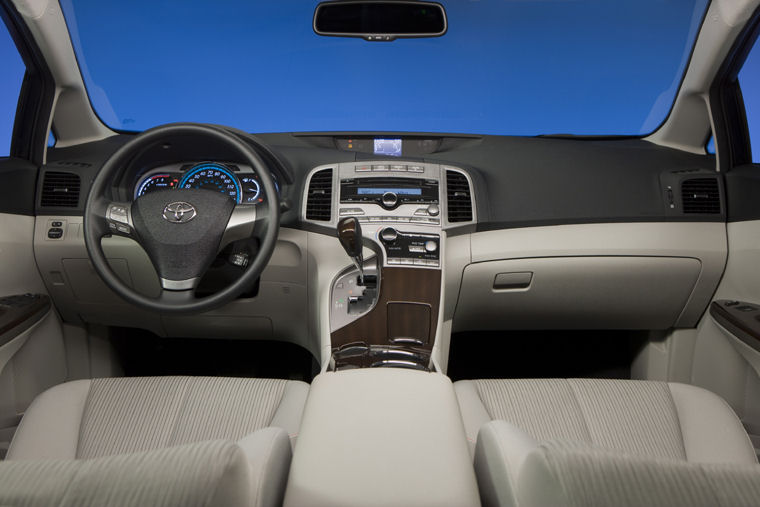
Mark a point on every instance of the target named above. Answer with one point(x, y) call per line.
point(398, 285)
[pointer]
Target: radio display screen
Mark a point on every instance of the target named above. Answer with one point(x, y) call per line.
point(381, 191)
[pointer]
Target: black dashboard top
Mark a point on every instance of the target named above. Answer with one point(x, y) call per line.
point(518, 181)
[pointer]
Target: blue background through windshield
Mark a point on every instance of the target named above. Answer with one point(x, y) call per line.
point(504, 67)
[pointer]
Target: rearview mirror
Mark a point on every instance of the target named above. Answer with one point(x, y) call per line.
point(380, 20)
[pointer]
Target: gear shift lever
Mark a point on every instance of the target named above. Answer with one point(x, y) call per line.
point(350, 237)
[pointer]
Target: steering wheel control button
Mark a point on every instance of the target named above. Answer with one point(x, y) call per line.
point(55, 233)
point(389, 234)
point(179, 212)
point(433, 210)
point(431, 246)
point(239, 259)
point(118, 213)
point(389, 200)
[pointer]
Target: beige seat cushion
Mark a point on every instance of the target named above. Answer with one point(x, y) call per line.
point(211, 473)
point(512, 420)
point(103, 417)
point(651, 419)
point(563, 474)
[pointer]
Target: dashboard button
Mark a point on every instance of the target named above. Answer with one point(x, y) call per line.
point(55, 233)
point(363, 168)
point(416, 169)
point(398, 168)
point(431, 246)
point(380, 167)
point(351, 211)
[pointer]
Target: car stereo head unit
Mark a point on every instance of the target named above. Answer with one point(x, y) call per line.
point(388, 192)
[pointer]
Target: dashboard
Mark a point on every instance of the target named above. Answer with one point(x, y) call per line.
point(240, 182)
point(527, 233)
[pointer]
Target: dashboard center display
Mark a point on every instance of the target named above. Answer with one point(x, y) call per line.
point(403, 190)
point(381, 191)
point(215, 177)
point(390, 147)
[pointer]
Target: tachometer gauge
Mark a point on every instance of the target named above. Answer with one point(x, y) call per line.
point(156, 182)
point(215, 177)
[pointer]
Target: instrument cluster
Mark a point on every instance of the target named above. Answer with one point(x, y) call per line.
point(240, 183)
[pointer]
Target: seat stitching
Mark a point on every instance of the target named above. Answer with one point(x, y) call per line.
point(473, 438)
point(174, 425)
point(480, 398)
point(736, 419)
point(580, 410)
point(511, 478)
point(268, 455)
point(279, 403)
point(680, 424)
point(81, 420)
point(228, 465)
point(77, 472)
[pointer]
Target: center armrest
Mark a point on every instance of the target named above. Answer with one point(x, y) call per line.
point(381, 437)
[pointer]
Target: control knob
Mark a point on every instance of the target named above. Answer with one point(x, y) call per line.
point(433, 210)
point(389, 199)
point(431, 246)
point(389, 234)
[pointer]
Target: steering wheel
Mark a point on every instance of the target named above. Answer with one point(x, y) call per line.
point(181, 230)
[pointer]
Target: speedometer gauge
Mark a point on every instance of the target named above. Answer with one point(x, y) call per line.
point(212, 176)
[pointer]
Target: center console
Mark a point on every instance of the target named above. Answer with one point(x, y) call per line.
point(384, 311)
point(378, 437)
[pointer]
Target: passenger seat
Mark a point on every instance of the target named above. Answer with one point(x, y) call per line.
point(606, 442)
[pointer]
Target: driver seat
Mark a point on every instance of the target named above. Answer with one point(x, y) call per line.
point(108, 417)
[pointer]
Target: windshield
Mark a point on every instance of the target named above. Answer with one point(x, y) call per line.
point(515, 67)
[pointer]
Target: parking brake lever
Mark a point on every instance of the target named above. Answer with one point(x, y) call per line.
point(350, 237)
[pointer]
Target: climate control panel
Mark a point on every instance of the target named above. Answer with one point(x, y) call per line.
point(410, 248)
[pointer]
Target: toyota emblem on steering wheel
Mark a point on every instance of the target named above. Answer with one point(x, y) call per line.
point(179, 212)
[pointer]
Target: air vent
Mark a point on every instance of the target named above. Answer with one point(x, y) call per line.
point(60, 190)
point(70, 163)
point(319, 196)
point(458, 196)
point(701, 195)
